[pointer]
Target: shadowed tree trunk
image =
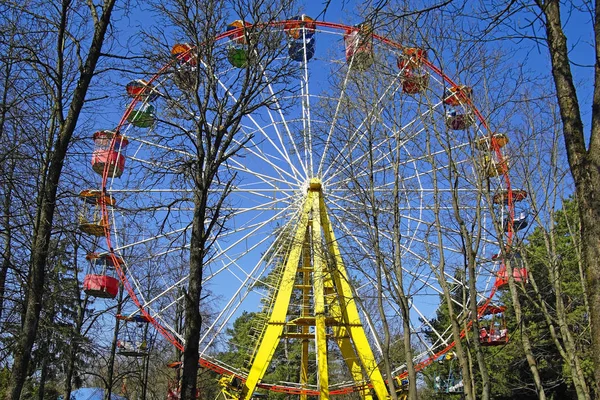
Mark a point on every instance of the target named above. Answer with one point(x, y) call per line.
point(584, 162)
point(76, 333)
point(7, 237)
point(110, 366)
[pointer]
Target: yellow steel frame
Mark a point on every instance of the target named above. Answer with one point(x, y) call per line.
point(306, 271)
point(315, 248)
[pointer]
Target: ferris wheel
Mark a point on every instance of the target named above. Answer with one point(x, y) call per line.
point(363, 135)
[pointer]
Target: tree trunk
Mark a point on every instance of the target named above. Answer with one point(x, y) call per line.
point(584, 164)
point(590, 240)
point(571, 352)
point(471, 264)
point(110, 365)
point(372, 214)
point(570, 347)
point(8, 176)
point(570, 355)
point(35, 290)
point(179, 328)
point(440, 273)
point(459, 348)
point(193, 318)
point(485, 377)
point(400, 292)
point(526, 342)
point(44, 368)
point(384, 322)
point(461, 353)
point(146, 365)
point(7, 234)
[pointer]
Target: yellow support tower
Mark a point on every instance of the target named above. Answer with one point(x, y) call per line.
point(314, 258)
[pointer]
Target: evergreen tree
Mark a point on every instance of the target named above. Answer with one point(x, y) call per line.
point(510, 376)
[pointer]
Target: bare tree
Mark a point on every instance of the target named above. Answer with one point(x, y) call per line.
point(584, 159)
point(56, 71)
point(214, 135)
point(544, 174)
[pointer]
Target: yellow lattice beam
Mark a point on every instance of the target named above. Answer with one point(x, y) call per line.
point(314, 247)
point(349, 310)
point(277, 320)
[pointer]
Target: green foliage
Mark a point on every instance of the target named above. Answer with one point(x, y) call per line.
point(563, 265)
point(57, 335)
point(240, 343)
point(509, 372)
point(510, 376)
point(4, 378)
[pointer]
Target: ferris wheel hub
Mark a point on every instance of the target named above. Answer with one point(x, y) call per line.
point(315, 185)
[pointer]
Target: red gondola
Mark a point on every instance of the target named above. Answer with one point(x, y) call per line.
point(99, 283)
point(458, 95)
point(141, 89)
point(102, 286)
point(458, 120)
point(458, 115)
point(493, 331)
point(519, 271)
point(105, 156)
